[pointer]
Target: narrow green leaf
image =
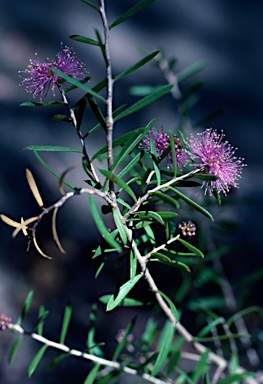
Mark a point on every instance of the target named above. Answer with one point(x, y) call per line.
point(40, 103)
point(26, 307)
point(201, 368)
point(167, 215)
point(160, 256)
point(83, 39)
point(166, 199)
point(36, 360)
point(90, 379)
point(121, 140)
point(190, 71)
point(165, 343)
point(123, 292)
point(57, 360)
point(129, 166)
point(192, 203)
point(131, 12)
point(101, 226)
point(133, 264)
point(124, 339)
point(193, 249)
point(50, 170)
point(115, 179)
point(236, 377)
point(155, 160)
point(65, 324)
point(42, 314)
point(171, 305)
point(120, 226)
point(126, 149)
point(126, 302)
point(14, 349)
point(77, 83)
point(149, 215)
point(91, 4)
point(97, 112)
point(51, 148)
point(155, 95)
point(139, 64)
point(208, 328)
point(243, 313)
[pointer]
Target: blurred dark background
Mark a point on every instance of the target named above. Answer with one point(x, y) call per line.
point(226, 36)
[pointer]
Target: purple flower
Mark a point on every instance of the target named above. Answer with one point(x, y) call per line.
point(216, 157)
point(162, 141)
point(4, 321)
point(40, 77)
point(187, 229)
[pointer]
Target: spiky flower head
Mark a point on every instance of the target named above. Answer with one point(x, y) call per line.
point(216, 157)
point(162, 141)
point(187, 229)
point(40, 78)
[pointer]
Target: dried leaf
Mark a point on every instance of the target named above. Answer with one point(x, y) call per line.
point(39, 250)
point(33, 187)
point(10, 222)
point(54, 231)
point(23, 225)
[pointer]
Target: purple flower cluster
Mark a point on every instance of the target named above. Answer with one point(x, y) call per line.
point(208, 152)
point(216, 157)
point(162, 141)
point(40, 77)
point(4, 321)
point(187, 229)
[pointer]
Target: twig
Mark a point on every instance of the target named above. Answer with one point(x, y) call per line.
point(96, 359)
point(109, 118)
point(92, 173)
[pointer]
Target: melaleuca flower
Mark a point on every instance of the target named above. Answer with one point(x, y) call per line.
point(4, 321)
point(187, 229)
point(216, 157)
point(162, 141)
point(40, 78)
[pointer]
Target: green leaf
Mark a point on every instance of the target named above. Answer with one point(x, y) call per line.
point(139, 64)
point(236, 377)
point(133, 264)
point(208, 328)
point(57, 360)
point(42, 314)
point(115, 179)
point(171, 305)
point(83, 39)
point(201, 368)
point(129, 166)
point(155, 95)
point(123, 139)
point(190, 71)
point(193, 249)
point(91, 4)
point(166, 199)
point(101, 226)
point(131, 12)
point(65, 324)
point(90, 379)
point(192, 203)
point(124, 339)
point(36, 360)
point(126, 302)
point(242, 313)
point(167, 215)
point(123, 292)
point(40, 103)
point(155, 160)
point(14, 349)
point(51, 148)
point(120, 226)
point(77, 83)
point(50, 170)
point(149, 215)
point(26, 307)
point(165, 343)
